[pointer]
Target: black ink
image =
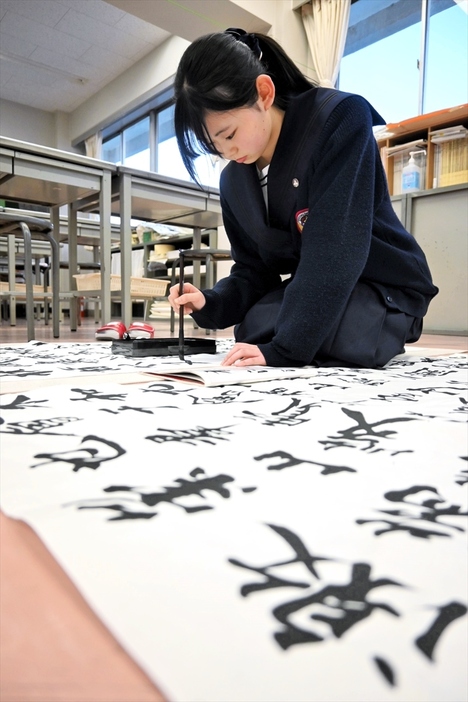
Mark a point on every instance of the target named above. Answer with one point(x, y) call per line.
point(96, 395)
point(427, 510)
point(302, 556)
point(39, 426)
point(290, 462)
point(85, 457)
point(170, 495)
point(386, 670)
point(205, 435)
point(21, 402)
point(291, 416)
point(347, 603)
point(447, 614)
point(363, 433)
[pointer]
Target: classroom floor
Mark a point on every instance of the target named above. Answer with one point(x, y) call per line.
point(86, 331)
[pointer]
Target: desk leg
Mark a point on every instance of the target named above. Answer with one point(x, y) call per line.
point(105, 234)
point(28, 276)
point(12, 276)
point(126, 246)
point(55, 285)
point(197, 264)
point(54, 239)
point(72, 263)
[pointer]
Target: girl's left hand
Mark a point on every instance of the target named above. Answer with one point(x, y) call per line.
point(244, 355)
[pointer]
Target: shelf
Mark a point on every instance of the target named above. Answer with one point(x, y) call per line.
point(410, 131)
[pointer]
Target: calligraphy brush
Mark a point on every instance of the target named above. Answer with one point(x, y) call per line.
point(181, 309)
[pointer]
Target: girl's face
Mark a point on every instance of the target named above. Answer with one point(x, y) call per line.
point(247, 134)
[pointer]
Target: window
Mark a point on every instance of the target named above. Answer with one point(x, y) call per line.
point(446, 82)
point(169, 160)
point(131, 146)
point(383, 59)
point(381, 55)
point(112, 150)
point(136, 147)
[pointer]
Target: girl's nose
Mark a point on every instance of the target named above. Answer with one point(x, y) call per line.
point(231, 152)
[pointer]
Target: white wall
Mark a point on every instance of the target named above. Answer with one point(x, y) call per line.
point(130, 89)
point(27, 124)
point(286, 28)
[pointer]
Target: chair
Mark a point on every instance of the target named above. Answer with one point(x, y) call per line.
point(31, 227)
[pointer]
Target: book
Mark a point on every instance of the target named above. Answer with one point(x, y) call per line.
point(214, 375)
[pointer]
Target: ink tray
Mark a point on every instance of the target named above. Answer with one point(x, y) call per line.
point(137, 348)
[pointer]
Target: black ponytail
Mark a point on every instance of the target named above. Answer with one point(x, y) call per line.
point(217, 73)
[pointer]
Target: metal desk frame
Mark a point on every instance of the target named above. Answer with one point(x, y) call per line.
point(45, 176)
point(53, 178)
point(150, 196)
point(30, 227)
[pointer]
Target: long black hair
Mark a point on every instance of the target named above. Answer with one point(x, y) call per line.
point(218, 72)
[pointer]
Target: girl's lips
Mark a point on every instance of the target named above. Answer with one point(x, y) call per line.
point(241, 160)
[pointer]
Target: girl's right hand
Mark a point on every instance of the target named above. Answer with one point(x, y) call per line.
point(193, 299)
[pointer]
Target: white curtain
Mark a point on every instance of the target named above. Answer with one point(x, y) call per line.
point(326, 24)
point(93, 145)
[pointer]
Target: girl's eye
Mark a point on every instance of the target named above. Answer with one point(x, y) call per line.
point(231, 136)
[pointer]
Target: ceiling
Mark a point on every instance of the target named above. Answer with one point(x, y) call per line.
point(55, 54)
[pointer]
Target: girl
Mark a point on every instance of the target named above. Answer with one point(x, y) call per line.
point(324, 272)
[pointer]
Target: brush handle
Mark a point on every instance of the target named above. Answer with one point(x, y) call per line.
point(181, 309)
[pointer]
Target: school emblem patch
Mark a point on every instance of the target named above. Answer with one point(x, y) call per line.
point(301, 219)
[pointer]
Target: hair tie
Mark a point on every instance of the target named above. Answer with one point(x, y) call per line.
point(249, 40)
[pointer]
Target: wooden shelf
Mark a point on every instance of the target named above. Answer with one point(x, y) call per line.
point(416, 128)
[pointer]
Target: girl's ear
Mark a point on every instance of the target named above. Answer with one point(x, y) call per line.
point(266, 90)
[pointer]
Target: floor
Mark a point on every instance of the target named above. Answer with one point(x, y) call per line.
point(85, 333)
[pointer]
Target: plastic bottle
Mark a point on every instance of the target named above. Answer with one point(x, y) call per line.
point(411, 175)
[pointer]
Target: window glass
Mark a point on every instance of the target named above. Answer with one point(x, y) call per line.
point(111, 150)
point(446, 56)
point(136, 145)
point(381, 56)
point(169, 161)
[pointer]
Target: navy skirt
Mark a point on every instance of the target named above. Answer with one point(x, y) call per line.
point(368, 334)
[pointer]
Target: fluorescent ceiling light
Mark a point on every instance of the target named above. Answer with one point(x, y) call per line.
point(44, 67)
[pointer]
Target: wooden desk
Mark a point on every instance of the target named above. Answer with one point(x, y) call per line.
point(53, 178)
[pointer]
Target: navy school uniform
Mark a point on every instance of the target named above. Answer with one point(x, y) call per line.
point(359, 283)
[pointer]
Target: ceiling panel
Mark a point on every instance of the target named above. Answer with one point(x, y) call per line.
point(55, 54)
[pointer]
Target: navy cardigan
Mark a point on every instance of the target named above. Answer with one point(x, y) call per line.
point(330, 224)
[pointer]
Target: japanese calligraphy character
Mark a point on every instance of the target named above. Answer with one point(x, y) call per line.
point(363, 435)
point(290, 461)
point(292, 415)
point(339, 607)
point(427, 510)
point(92, 455)
point(207, 435)
point(447, 614)
point(131, 507)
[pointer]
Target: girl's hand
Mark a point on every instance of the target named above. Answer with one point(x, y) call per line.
point(244, 355)
point(192, 299)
